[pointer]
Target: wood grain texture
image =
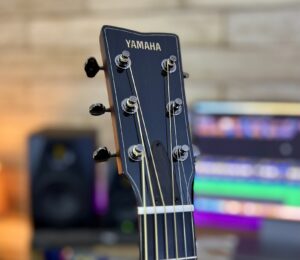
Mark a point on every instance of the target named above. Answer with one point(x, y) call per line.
point(265, 29)
point(233, 49)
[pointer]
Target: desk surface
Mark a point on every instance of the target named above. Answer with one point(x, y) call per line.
point(15, 238)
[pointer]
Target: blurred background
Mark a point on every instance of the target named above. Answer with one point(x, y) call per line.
point(234, 50)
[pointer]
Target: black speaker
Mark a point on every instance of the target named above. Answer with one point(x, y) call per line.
point(62, 178)
point(121, 215)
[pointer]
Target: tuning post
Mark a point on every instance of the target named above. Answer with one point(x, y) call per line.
point(174, 108)
point(169, 65)
point(98, 109)
point(102, 154)
point(123, 60)
point(135, 152)
point(180, 152)
point(92, 67)
point(130, 105)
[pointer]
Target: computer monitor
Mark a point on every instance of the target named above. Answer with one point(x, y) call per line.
point(249, 168)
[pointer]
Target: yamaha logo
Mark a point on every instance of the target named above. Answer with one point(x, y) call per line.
point(144, 45)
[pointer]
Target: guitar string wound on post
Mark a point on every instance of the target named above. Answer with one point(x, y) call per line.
point(169, 65)
point(135, 152)
point(123, 60)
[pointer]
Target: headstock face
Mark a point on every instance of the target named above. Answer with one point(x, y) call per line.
point(143, 77)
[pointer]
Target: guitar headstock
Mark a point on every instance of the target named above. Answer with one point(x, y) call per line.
point(147, 102)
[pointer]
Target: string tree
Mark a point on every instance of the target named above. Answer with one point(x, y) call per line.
point(92, 67)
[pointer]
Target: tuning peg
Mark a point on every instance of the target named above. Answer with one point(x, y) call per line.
point(186, 75)
point(181, 152)
point(91, 67)
point(196, 153)
point(98, 109)
point(102, 154)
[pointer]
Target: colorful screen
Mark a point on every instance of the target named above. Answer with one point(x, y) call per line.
point(249, 168)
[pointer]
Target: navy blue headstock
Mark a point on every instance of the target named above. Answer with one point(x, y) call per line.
point(150, 119)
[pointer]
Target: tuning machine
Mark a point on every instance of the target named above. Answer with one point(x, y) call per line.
point(196, 153)
point(92, 67)
point(123, 60)
point(136, 152)
point(169, 65)
point(98, 109)
point(130, 105)
point(181, 152)
point(102, 154)
point(186, 75)
point(174, 108)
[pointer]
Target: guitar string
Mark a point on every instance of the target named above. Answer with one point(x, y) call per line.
point(181, 190)
point(154, 166)
point(144, 205)
point(172, 166)
point(190, 202)
point(189, 199)
point(155, 213)
point(151, 190)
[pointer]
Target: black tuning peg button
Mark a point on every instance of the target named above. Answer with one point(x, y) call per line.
point(102, 154)
point(92, 67)
point(98, 109)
